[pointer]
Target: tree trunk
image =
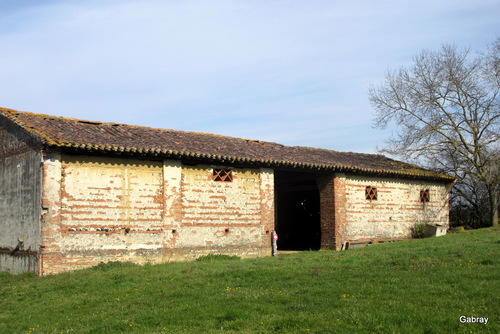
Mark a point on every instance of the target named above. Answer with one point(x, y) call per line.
point(493, 194)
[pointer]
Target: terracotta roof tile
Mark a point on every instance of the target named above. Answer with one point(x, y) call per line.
point(112, 137)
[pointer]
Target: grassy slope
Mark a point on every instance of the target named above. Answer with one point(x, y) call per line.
point(420, 286)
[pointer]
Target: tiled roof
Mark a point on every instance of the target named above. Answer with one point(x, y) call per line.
point(80, 135)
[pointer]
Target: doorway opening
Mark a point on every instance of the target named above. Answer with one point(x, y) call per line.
point(297, 219)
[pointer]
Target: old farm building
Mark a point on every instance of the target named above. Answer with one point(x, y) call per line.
point(74, 193)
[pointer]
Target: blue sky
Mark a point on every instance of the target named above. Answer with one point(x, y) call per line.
point(293, 72)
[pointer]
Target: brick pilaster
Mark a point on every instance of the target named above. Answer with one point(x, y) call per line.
point(267, 208)
point(332, 189)
point(340, 206)
point(50, 250)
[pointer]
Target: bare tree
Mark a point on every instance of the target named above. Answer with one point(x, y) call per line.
point(446, 108)
point(469, 198)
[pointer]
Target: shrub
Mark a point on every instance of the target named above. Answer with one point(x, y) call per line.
point(418, 231)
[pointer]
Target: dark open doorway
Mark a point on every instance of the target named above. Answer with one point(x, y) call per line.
point(297, 211)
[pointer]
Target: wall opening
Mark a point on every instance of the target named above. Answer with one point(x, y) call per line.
point(297, 220)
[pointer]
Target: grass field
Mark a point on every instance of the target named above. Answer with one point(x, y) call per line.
point(418, 286)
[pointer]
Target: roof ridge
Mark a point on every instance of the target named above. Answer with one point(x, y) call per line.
point(342, 152)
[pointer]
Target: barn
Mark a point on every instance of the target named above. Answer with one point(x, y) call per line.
point(74, 193)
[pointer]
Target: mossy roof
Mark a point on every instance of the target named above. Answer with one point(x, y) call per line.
point(89, 136)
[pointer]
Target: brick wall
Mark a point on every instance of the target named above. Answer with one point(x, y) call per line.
point(396, 209)
point(102, 209)
point(221, 217)
point(326, 188)
point(332, 190)
point(50, 250)
point(267, 209)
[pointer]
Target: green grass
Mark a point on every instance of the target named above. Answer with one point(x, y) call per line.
point(419, 286)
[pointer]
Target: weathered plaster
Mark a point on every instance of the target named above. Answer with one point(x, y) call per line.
point(267, 209)
point(102, 208)
point(224, 216)
point(106, 206)
point(396, 210)
point(50, 250)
